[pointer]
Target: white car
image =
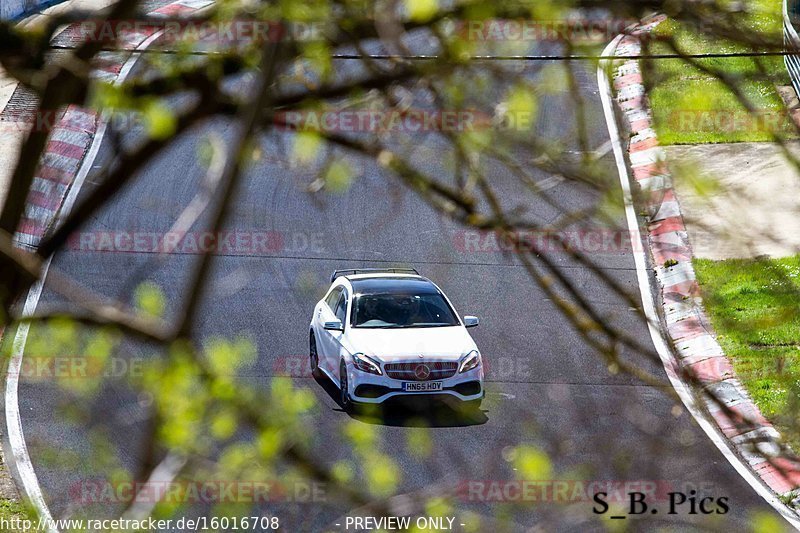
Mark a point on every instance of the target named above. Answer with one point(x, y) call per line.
point(382, 333)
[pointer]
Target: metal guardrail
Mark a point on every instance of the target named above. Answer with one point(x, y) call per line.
point(791, 14)
point(18, 9)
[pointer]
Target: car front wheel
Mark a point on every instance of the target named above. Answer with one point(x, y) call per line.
point(347, 404)
point(313, 355)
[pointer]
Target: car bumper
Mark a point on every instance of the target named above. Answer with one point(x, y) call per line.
point(369, 388)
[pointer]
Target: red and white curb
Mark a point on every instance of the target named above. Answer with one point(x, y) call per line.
point(72, 134)
point(71, 149)
point(747, 431)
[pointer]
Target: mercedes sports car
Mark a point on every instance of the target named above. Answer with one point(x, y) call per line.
point(383, 333)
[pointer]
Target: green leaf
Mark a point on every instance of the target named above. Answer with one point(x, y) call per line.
point(160, 121)
point(237, 457)
point(270, 441)
point(521, 108)
point(306, 146)
point(361, 435)
point(438, 507)
point(108, 96)
point(224, 424)
point(422, 10)
point(339, 176)
point(382, 474)
point(342, 471)
point(532, 464)
point(149, 299)
point(419, 441)
point(226, 356)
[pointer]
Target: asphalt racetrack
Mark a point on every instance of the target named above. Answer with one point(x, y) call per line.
point(545, 386)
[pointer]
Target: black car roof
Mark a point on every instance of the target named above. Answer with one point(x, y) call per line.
point(388, 284)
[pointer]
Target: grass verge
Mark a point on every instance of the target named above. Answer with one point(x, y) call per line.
point(754, 306)
point(14, 515)
point(693, 107)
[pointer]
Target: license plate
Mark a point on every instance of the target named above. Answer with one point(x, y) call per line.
point(422, 386)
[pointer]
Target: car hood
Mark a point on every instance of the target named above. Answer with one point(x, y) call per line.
point(445, 343)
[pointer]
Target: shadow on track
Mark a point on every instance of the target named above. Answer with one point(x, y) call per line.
point(410, 411)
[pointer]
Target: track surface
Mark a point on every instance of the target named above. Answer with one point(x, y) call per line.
point(546, 387)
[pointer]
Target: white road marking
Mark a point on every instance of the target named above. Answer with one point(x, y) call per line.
point(503, 395)
point(16, 436)
point(648, 304)
point(603, 149)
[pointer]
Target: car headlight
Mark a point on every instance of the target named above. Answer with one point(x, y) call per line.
point(470, 361)
point(366, 364)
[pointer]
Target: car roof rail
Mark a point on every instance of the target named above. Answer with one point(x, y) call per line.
point(356, 271)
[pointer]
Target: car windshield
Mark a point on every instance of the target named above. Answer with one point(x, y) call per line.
point(393, 310)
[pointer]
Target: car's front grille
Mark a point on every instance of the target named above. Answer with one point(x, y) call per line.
point(421, 371)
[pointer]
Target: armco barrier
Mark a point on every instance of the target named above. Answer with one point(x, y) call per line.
point(15, 9)
point(791, 14)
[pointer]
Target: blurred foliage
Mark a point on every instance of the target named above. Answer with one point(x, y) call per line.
point(195, 397)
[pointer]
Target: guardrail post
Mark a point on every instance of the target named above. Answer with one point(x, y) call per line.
point(791, 42)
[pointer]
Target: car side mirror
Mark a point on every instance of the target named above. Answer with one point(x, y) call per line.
point(335, 325)
point(471, 321)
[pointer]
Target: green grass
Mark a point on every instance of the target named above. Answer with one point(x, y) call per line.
point(754, 306)
point(12, 512)
point(692, 107)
